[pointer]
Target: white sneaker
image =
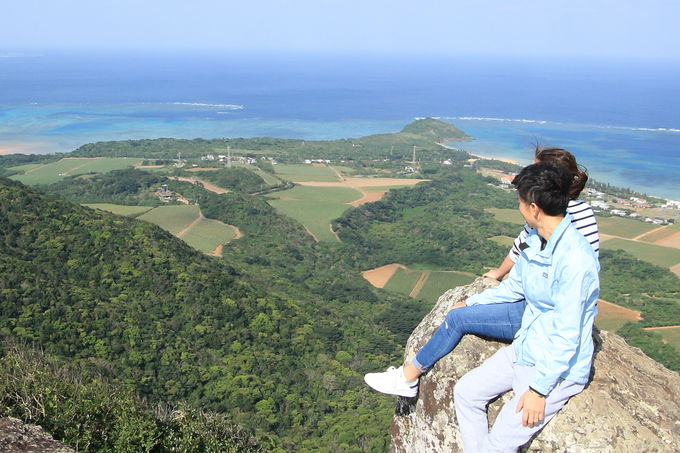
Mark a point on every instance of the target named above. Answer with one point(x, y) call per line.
point(392, 382)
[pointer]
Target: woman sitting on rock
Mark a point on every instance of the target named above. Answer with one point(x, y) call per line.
point(497, 321)
point(550, 358)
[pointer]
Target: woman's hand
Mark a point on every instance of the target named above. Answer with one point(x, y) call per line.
point(496, 274)
point(532, 406)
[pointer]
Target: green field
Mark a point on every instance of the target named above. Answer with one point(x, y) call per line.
point(25, 167)
point(619, 226)
point(119, 209)
point(507, 215)
point(56, 171)
point(505, 241)
point(672, 336)
point(438, 282)
point(655, 254)
point(309, 193)
point(316, 216)
point(305, 173)
point(610, 320)
point(403, 281)
point(315, 207)
point(207, 234)
point(675, 226)
point(172, 218)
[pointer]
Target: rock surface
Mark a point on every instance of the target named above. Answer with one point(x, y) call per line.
point(632, 403)
point(17, 437)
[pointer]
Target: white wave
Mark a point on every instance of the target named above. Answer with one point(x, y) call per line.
point(202, 104)
point(598, 126)
point(510, 120)
point(643, 129)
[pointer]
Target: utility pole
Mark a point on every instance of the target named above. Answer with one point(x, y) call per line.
point(228, 156)
point(414, 154)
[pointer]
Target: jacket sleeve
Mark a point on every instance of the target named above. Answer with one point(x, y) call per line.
point(574, 293)
point(509, 290)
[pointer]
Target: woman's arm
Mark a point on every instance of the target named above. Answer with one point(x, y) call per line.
point(511, 258)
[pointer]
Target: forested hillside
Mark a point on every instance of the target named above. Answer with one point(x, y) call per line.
point(157, 316)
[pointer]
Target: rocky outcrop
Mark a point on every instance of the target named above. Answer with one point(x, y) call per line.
point(632, 403)
point(17, 437)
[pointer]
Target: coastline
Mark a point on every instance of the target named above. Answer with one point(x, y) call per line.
point(479, 156)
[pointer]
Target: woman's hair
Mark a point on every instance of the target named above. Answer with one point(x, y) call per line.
point(545, 184)
point(565, 158)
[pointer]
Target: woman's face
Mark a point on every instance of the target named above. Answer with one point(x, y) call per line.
point(526, 210)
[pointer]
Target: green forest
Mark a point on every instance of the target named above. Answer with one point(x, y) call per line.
point(263, 349)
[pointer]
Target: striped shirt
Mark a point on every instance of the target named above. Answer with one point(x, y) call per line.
point(582, 217)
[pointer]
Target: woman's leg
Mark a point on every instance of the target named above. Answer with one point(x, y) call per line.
point(497, 321)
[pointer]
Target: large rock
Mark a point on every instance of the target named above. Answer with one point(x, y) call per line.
point(18, 437)
point(632, 403)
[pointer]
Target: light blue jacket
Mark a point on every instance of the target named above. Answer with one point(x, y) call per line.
point(560, 284)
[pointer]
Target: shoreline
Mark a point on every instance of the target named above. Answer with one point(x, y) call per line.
point(507, 160)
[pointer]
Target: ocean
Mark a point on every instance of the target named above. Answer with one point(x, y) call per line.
point(620, 118)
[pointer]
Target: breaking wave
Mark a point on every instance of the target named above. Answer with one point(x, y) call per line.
point(598, 126)
point(203, 104)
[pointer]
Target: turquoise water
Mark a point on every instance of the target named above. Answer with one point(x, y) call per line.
point(622, 120)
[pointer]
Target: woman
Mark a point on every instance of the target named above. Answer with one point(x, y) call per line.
point(498, 321)
point(550, 358)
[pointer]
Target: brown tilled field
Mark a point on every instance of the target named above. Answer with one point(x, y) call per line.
point(379, 276)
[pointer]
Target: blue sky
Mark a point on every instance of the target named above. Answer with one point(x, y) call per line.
point(596, 28)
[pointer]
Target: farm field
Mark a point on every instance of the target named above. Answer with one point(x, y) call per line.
point(56, 171)
point(25, 167)
point(655, 254)
point(507, 215)
point(612, 317)
point(505, 241)
point(672, 336)
point(438, 282)
point(172, 218)
point(433, 283)
point(626, 228)
point(659, 235)
point(207, 234)
point(315, 207)
point(299, 173)
point(120, 209)
point(403, 281)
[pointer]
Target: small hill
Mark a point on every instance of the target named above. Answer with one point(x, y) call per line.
point(436, 130)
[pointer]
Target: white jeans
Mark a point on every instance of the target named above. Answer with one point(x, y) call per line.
point(497, 375)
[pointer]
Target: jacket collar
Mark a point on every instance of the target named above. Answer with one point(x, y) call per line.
point(533, 243)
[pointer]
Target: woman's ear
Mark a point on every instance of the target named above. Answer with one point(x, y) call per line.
point(534, 210)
